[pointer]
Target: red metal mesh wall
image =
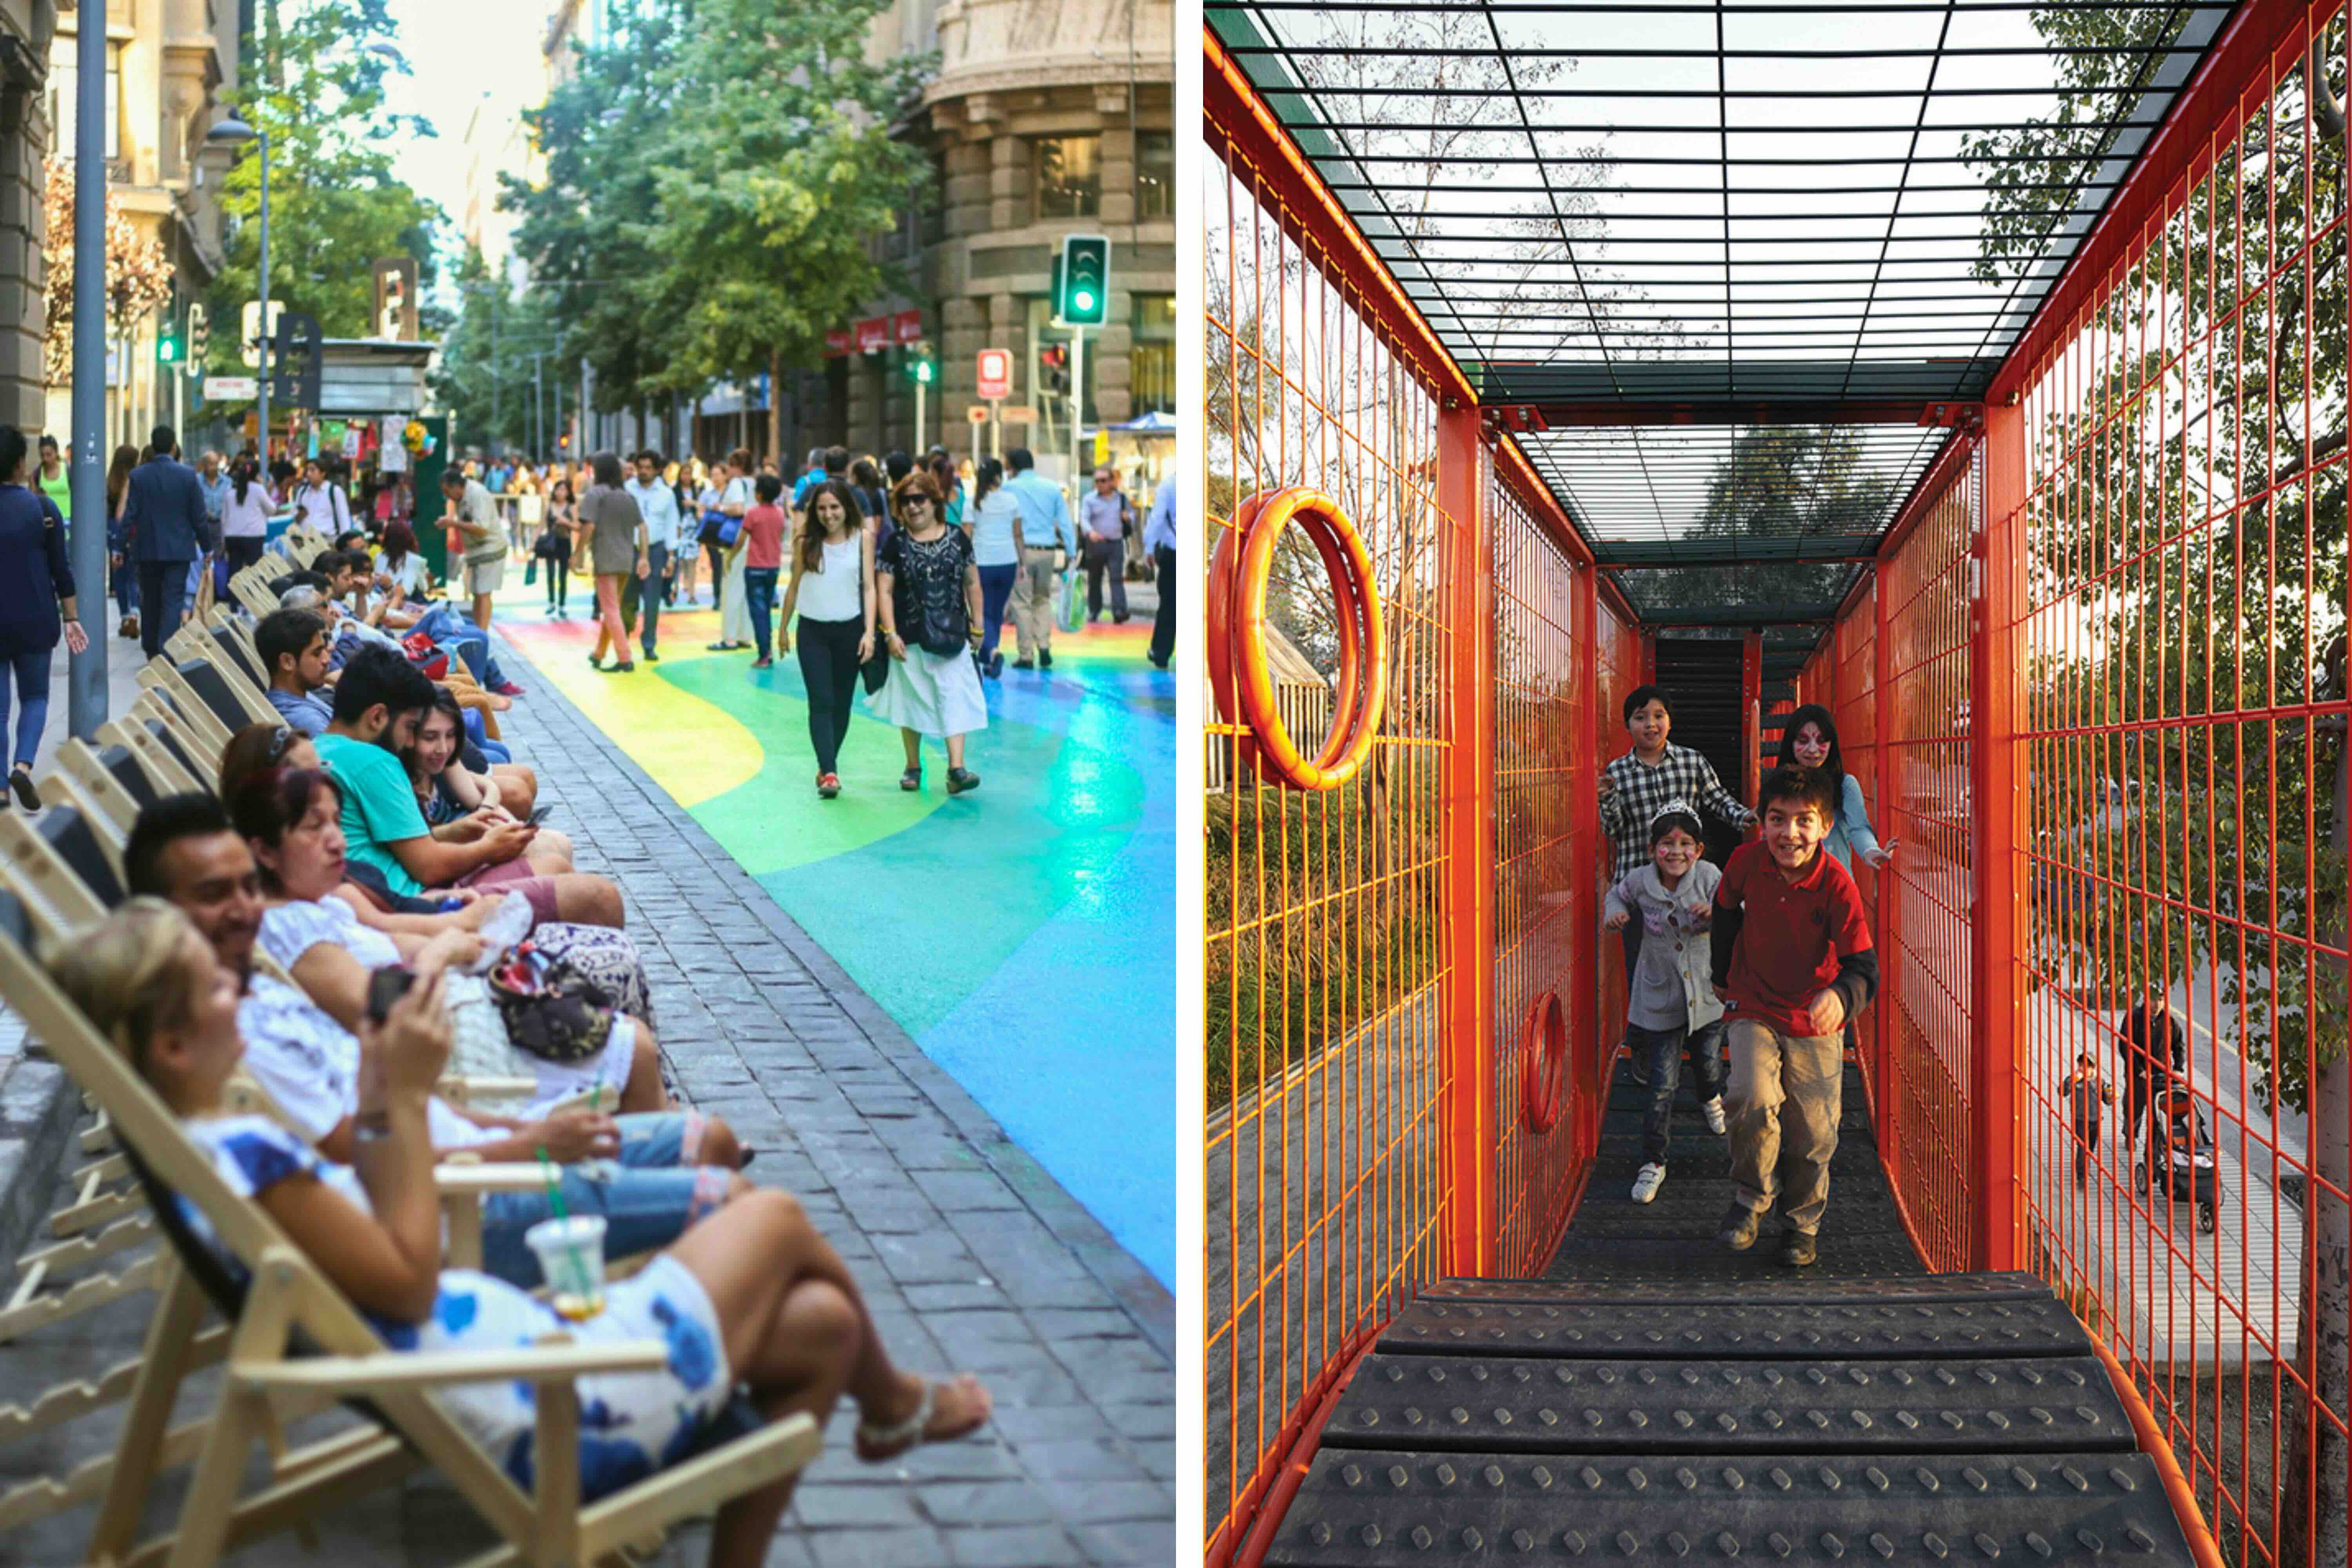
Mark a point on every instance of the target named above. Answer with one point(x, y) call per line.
point(1324, 950)
point(1842, 677)
point(1542, 887)
point(1618, 661)
point(2186, 602)
point(1919, 757)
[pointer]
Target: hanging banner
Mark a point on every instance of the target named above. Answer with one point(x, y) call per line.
point(838, 343)
point(872, 336)
point(907, 326)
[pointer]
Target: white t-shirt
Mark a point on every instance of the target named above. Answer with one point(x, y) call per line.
point(991, 529)
point(834, 593)
point(310, 1066)
point(325, 509)
point(247, 519)
point(413, 575)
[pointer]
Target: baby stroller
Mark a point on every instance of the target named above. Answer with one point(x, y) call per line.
point(2179, 1160)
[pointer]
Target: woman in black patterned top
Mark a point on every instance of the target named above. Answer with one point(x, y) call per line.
point(927, 588)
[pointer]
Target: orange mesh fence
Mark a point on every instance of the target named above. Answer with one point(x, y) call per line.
point(2185, 601)
point(1546, 897)
point(1325, 954)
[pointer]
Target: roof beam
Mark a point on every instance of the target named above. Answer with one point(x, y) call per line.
point(1758, 615)
point(1741, 549)
point(1609, 414)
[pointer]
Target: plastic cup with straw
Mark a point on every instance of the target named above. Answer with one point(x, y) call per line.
point(570, 1251)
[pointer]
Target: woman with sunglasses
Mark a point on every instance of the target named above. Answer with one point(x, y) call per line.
point(927, 590)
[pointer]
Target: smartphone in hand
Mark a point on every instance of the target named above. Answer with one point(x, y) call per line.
point(540, 814)
point(386, 986)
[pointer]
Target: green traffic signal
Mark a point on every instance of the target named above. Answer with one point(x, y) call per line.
point(167, 349)
point(1083, 299)
point(923, 370)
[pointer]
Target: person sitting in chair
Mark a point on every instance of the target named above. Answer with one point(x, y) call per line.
point(752, 1296)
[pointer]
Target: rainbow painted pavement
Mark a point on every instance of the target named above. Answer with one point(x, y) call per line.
point(1022, 934)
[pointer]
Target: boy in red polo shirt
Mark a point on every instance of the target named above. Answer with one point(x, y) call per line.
point(1790, 977)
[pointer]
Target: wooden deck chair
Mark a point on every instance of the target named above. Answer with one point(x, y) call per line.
point(112, 775)
point(148, 748)
point(209, 730)
point(226, 695)
point(236, 638)
point(70, 812)
point(284, 1297)
point(162, 718)
point(251, 588)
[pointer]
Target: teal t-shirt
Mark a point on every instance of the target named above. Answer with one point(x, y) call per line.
point(379, 808)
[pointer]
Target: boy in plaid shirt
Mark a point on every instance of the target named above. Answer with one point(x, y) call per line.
point(1637, 787)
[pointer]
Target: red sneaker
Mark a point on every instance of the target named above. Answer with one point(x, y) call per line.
point(829, 785)
point(508, 688)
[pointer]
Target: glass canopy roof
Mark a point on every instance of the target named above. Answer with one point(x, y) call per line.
point(1646, 202)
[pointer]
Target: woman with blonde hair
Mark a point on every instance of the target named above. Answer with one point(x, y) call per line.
point(752, 1298)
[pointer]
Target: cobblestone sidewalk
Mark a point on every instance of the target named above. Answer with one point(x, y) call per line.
point(971, 1254)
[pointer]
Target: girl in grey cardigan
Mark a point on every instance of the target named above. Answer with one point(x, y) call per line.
point(1671, 1002)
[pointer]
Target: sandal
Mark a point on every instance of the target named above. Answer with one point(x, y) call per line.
point(912, 779)
point(877, 1445)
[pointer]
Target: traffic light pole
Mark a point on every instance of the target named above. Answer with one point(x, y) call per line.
point(86, 670)
point(1077, 414)
point(923, 391)
point(261, 399)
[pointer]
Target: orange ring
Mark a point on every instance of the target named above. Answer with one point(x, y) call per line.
point(1539, 1091)
point(1239, 572)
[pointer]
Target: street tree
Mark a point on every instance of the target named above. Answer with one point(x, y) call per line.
point(335, 204)
point(138, 272)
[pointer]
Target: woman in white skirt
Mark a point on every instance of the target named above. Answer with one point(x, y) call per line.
point(927, 589)
point(734, 607)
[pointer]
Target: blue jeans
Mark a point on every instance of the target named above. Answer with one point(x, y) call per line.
point(647, 1197)
point(996, 592)
point(32, 672)
point(462, 642)
point(1662, 1049)
point(759, 598)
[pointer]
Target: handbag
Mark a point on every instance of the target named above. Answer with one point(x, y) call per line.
point(552, 1011)
point(730, 528)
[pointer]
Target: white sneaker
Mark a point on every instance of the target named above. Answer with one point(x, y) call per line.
point(1713, 1111)
point(1647, 1182)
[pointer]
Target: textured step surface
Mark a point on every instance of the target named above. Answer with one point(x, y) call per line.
point(1550, 1405)
point(1885, 1329)
point(1369, 1508)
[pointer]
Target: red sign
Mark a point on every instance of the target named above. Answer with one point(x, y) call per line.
point(838, 343)
point(872, 336)
point(908, 325)
point(995, 373)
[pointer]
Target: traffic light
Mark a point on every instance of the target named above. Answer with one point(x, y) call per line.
point(171, 349)
point(1082, 288)
point(922, 366)
point(1053, 370)
point(200, 333)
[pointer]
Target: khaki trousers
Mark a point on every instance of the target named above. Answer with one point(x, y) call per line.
point(1033, 603)
point(1779, 1079)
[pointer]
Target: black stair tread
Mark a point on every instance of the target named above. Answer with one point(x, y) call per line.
point(1920, 1286)
point(1554, 1406)
point(1696, 1259)
point(1372, 1508)
point(1744, 1329)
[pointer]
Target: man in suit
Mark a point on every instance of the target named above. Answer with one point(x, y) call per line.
point(167, 526)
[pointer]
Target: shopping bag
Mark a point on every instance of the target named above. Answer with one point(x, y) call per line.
point(1074, 600)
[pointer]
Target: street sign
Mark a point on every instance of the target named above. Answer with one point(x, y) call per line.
point(996, 373)
point(250, 331)
point(976, 415)
point(232, 388)
point(1020, 414)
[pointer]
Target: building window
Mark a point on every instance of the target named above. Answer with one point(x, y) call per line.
point(1151, 356)
point(1068, 176)
point(1155, 173)
point(64, 100)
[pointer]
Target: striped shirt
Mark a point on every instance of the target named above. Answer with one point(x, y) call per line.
point(1642, 792)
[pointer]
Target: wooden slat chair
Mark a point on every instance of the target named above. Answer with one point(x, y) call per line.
point(250, 588)
point(236, 638)
point(150, 743)
point(233, 702)
point(194, 640)
point(112, 778)
point(284, 1300)
point(161, 678)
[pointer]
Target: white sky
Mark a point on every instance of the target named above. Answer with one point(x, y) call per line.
point(462, 51)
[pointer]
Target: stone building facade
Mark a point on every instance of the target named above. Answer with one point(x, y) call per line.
point(25, 29)
point(1045, 120)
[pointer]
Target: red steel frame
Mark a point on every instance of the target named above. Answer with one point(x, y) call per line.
point(1977, 741)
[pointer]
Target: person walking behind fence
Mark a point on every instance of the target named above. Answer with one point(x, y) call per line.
point(1635, 787)
point(833, 592)
point(993, 522)
point(553, 548)
point(614, 532)
point(1160, 544)
point(1047, 538)
point(762, 540)
point(2087, 1095)
point(164, 520)
point(657, 504)
point(1110, 519)
point(1792, 960)
point(36, 606)
point(1673, 1002)
point(927, 590)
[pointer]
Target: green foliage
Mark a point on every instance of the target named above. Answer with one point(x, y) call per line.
point(1779, 482)
point(335, 204)
point(484, 376)
point(716, 172)
point(2187, 554)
